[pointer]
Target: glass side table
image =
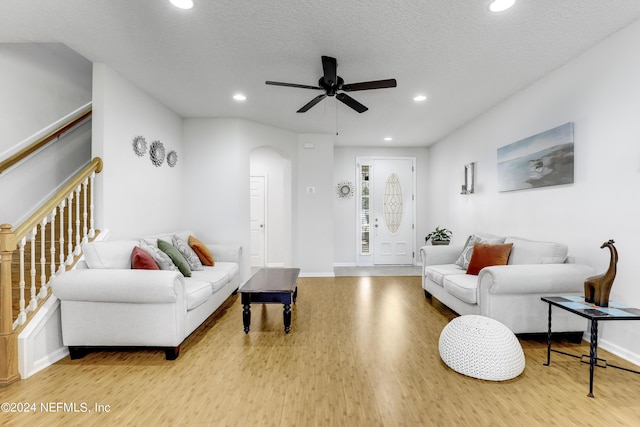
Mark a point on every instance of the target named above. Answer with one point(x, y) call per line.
point(577, 305)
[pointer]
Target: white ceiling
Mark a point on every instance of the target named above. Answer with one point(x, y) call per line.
point(464, 58)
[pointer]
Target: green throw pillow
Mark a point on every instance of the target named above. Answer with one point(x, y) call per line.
point(176, 257)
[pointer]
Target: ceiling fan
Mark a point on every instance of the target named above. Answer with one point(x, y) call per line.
point(331, 83)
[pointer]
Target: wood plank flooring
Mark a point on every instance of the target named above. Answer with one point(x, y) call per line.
point(363, 351)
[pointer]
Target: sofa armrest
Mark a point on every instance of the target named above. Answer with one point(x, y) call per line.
point(122, 286)
point(226, 252)
point(439, 254)
point(533, 279)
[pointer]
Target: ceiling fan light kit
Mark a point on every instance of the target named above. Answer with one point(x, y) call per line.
point(333, 85)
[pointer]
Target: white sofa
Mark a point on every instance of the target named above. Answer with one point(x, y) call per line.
point(106, 303)
point(508, 293)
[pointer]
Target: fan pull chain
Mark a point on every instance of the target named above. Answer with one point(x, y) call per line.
point(336, 104)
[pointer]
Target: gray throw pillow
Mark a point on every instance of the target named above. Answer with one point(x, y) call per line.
point(465, 256)
point(189, 254)
point(162, 259)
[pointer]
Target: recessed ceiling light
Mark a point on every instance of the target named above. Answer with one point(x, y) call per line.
point(239, 97)
point(501, 5)
point(419, 98)
point(388, 138)
point(182, 4)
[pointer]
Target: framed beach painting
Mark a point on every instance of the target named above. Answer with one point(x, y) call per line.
point(541, 160)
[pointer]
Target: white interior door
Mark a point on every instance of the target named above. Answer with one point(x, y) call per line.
point(257, 220)
point(393, 211)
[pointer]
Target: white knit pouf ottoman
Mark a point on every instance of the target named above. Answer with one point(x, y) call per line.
point(482, 348)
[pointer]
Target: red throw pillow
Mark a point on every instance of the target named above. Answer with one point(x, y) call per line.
point(485, 255)
point(141, 260)
point(202, 251)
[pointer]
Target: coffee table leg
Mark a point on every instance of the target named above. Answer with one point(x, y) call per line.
point(287, 318)
point(549, 339)
point(246, 312)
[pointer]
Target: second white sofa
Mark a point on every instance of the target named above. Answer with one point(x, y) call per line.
point(507, 293)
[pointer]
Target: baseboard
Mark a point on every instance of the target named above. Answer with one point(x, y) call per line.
point(48, 360)
point(323, 274)
point(344, 264)
point(617, 350)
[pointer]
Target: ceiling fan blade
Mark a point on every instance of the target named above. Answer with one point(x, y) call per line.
point(330, 67)
point(376, 84)
point(346, 99)
point(311, 103)
point(292, 85)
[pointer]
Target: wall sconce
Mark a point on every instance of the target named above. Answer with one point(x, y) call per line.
point(468, 186)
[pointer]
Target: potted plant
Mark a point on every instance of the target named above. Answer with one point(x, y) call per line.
point(440, 236)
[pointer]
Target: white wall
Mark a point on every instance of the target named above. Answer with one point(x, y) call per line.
point(600, 93)
point(138, 198)
point(345, 210)
point(314, 216)
point(43, 82)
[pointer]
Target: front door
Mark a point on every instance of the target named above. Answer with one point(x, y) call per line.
point(392, 209)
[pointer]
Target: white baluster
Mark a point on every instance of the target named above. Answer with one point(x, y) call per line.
point(33, 302)
point(61, 264)
point(52, 245)
point(43, 286)
point(84, 211)
point(92, 231)
point(22, 316)
point(77, 249)
point(69, 230)
point(43, 258)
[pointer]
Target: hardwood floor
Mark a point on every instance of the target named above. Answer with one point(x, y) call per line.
point(362, 352)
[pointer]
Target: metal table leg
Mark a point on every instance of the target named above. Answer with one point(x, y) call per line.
point(593, 354)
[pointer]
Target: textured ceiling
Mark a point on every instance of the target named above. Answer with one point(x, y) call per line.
point(462, 57)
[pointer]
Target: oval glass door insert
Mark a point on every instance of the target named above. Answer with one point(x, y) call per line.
point(392, 204)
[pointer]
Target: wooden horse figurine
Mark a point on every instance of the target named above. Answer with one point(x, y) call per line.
point(598, 288)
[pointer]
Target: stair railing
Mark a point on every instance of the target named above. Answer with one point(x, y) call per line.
point(76, 200)
point(69, 123)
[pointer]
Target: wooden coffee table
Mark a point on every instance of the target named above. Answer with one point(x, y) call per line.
point(268, 286)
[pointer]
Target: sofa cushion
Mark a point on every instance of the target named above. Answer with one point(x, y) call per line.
point(485, 255)
point(534, 252)
point(462, 286)
point(187, 253)
point(141, 260)
point(109, 254)
point(217, 276)
point(175, 256)
point(467, 251)
point(436, 273)
point(197, 292)
point(162, 259)
point(202, 251)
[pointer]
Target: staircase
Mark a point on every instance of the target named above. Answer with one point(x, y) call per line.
point(45, 245)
